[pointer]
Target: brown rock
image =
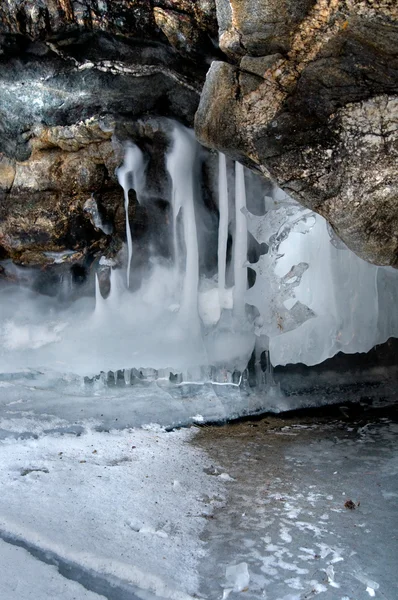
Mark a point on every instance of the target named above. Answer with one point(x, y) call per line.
point(258, 27)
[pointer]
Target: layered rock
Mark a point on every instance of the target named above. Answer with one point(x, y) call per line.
point(311, 101)
point(302, 91)
point(72, 73)
point(63, 207)
point(63, 61)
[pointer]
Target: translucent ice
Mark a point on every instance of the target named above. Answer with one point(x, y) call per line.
point(130, 176)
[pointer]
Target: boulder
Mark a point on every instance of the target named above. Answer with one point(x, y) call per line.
point(318, 114)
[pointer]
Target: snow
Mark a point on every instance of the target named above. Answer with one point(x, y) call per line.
point(127, 506)
point(39, 581)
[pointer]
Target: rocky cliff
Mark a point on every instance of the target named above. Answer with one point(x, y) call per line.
point(73, 77)
point(309, 97)
point(303, 91)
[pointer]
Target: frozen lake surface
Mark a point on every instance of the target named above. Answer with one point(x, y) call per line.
point(254, 509)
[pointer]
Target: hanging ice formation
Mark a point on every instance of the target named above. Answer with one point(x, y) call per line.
point(312, 297)
point(223, 226)
point(240, 243)
point(130, 176)
point(180, 165)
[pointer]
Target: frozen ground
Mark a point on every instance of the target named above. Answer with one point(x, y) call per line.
point(285, 516)
point(117, 511)
point(252, 510)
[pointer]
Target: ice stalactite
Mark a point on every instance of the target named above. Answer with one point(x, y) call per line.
point(180, 165)
point(223, 225)
point(130, 176)
point(240, 243)
point(172, 166)
point(100, 303)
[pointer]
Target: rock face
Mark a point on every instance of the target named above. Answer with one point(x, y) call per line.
point(303, 91)
point(63, 61)
point(74, 76)
point(311, 100)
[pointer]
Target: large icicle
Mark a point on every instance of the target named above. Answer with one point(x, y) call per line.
point(240, 243)
point(223, 225)
point(100, 303)
point(130, 176)
point(180, 163)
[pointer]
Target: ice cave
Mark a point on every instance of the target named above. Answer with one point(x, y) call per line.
point(235, 289)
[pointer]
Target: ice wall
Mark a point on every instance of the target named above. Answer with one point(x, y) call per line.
point(316, 297)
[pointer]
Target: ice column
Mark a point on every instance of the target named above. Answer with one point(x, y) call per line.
point(180, 163)
point(240, 243)
point(130, 176)
point(100, 303)
point(223, 225)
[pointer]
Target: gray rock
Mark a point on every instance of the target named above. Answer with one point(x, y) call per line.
point(320, 118)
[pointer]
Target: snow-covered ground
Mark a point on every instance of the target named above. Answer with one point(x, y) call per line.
point(254, 510)
point(119, 511)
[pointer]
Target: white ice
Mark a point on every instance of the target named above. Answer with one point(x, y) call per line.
point(130, 176)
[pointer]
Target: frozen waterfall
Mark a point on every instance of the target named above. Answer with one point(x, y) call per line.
point(312, 297)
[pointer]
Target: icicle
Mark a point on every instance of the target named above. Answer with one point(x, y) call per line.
point(240, 243)
point(115, 294)
point(100, 303)
point(127, 376)
point(174, 170)
point(223, 225)
point(176, 210)
point(180, 162)
point(269, 371)
point(130, 176)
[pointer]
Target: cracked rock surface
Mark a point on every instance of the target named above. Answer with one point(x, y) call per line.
point(309, 98)
point(304, 92)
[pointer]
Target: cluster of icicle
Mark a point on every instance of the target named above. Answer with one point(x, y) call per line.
point(312, 296)
point(180, 166)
